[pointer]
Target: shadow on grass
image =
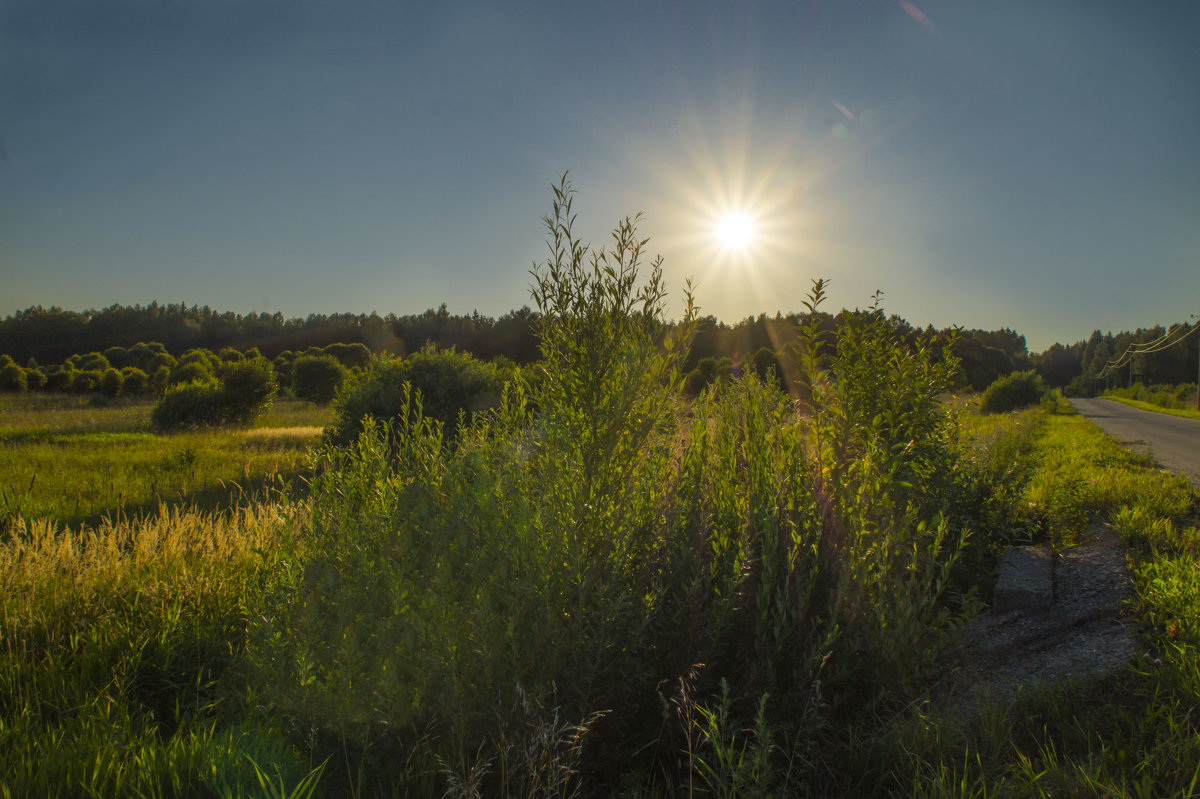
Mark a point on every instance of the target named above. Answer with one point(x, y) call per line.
point(219, 495)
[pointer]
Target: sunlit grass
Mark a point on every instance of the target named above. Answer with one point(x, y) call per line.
point(63, 459)
point(1129, 734)
point(1186, 413)
point(118, 653)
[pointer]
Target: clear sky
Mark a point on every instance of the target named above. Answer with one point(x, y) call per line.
point(1034, 165)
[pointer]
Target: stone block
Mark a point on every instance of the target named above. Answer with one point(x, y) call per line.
point(1025, 581)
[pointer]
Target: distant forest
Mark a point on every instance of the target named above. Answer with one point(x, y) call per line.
point(45, 336)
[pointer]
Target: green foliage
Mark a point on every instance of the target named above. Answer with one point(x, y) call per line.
point(111, 382)
point(1128, 734)
point(351, 356)
point(70, 463)
point(93, 362)
point(317, 378)
point(190, 405)
point(1014, 391)
point(582, 553)
point(230, 355)
point(85, 382)
point(191, 371)
point(136, 381)
point(449, 383)
point(13, 378)
point(158, 361)
point(243, 393)
point(58, 379)
point(1171, 397)
point(118, 357)
point(35, 379)
point(249, 387)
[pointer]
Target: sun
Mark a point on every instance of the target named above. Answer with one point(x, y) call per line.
point(735, 231)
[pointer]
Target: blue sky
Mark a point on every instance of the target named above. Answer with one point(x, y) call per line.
point(1034, 165)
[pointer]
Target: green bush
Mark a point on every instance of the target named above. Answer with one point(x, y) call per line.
point(84, 382)
point(94, 362)
point(158, 361)
point(317, 378)
point(584, 556)
point(230, 355)
point(203, 357)
point(136, 381)
point(352, 356)
point(1008, 393)
point(35, 379)
point(448, 382)
point(243, 393)
point(160, 379)
point(12, 378)
point(118, 357)
point(58, 379)
point(249, 387)
point(111, 382)
point(189, 405)
point(192, 371)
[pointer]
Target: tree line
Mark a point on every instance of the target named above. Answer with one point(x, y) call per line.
point(47, 336)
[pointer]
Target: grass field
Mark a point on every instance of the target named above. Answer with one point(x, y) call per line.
point(168, 654)
point(1130, 734)
point(66, 459)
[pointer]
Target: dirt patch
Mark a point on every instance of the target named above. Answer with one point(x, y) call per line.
point(1083, 631)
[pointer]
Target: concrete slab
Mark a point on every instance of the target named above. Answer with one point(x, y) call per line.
point(1025, 581)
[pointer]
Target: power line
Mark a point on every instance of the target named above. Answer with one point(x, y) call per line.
point(1148, 348)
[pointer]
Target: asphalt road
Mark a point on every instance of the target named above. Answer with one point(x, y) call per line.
point(1171, 440)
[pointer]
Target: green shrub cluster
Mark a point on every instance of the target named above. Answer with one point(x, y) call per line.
point(317, 378)
point(450, 384)
point(1014, 391)
point(584, 545)
point(108, 372)
point(243, 392)
point(1177, 397)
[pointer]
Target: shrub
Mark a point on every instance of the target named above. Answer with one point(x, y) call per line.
point(118, 357)
point(449, 383)
point(592, 550)
point(317, 378)
point(352, 356)
point(230, 355)
point(160, 379)
point(12, 378)
point(248, 387)
point(93, 362)
point(193, 371)
point(58, 379)
point(243, 393)
point(159, 360)
point(110, 382)
point(189, 405)
point(202, 356)
point(136, 381)
point(35, 379)
point(1017, 390)
point(83, 382)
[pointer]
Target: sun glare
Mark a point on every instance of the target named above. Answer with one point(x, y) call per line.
point(735, 231)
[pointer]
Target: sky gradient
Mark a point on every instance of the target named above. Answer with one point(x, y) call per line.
point(1034, 165)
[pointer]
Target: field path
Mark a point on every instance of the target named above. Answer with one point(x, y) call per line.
point(1173, 441)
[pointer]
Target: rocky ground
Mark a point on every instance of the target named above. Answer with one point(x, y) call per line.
point(1067, 623)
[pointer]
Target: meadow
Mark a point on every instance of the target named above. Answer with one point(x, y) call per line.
point(348, 644)
point(75, 459)
point(597, 585)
